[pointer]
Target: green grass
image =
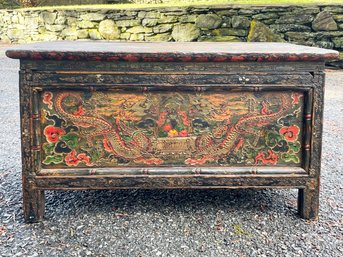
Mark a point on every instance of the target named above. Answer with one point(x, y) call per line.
point(180, 3)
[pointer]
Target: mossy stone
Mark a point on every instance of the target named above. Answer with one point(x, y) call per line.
point(324, 21)
point(167, 19)
point(230, 32)
point(48, 17)
point(82, 34)
point(128, 23)
point(54, 28)
point(159, 37)
point(147, 22)
point(185, 32)
point(240, 22)
point(94, 34)
point(109, 30)
point(44, 37)
point(221, 39)
point(137, 37)
point(295, 19)
point(338, 41)
point(162, 28)
point(261, 33)
point(93, 16)
point(85, 24)
point(139, 29)
point(15, 33)
point(208, 21)
point(70, 31)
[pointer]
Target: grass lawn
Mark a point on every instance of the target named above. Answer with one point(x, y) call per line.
point(181, 3)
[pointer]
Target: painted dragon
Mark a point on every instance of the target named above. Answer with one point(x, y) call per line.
point(207, 150)
point(138, 150)
point(132, 151)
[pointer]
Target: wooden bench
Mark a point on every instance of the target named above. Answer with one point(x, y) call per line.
point(101, 115)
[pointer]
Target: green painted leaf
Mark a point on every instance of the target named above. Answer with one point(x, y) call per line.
point(163, 134)
point(294, 146)
point(53, 159)
point(272, 139)
point(290, 158)
point(48, 148)
point(71, 139)
point(250, 153)
point(179, 127)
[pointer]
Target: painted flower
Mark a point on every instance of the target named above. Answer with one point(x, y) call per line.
point(72, 159)
point(290, 133)
point(173, 133)
point(183, 133)
point(270, 158)
point(53, 133)
point(184, 118)
point(296, 98)
point(47, 96)
point(84, 158)
point(167, 127)
point(162, 118)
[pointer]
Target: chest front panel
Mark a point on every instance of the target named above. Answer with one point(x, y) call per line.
point(114, 128)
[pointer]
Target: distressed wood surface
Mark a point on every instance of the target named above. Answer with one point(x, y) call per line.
point(170, 51)
point(172, 181)
point(140, 69)
point(172, 67)
point(146, 79)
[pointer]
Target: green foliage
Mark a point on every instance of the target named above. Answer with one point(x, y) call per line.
point(8, 4)
point(126, 4)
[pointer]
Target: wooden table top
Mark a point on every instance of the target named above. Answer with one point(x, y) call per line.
point(169, 51)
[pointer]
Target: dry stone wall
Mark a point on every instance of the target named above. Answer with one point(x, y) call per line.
point(320, 25)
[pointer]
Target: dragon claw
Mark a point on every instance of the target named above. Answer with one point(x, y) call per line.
point(193, 162)
point(155, 161)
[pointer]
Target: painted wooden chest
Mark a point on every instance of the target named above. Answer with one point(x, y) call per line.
point(101, 115)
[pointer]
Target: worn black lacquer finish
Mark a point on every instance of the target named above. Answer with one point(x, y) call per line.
point(100, 115)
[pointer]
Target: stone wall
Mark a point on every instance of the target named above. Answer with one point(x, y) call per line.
point(308, 25)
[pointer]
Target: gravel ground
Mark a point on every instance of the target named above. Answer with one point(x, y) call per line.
point(169, 222)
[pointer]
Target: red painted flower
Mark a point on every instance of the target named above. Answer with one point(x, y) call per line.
point(184, 118)
point(296, 98)
point(84, 158)
point(183, 133)
point(290, 133)
point(71, 159)
point(47, 96)
point(53, 133)
point(167, 127)
point(271, 158)
point(162, 118)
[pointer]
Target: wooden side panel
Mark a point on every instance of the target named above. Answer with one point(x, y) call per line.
point(33, 198)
